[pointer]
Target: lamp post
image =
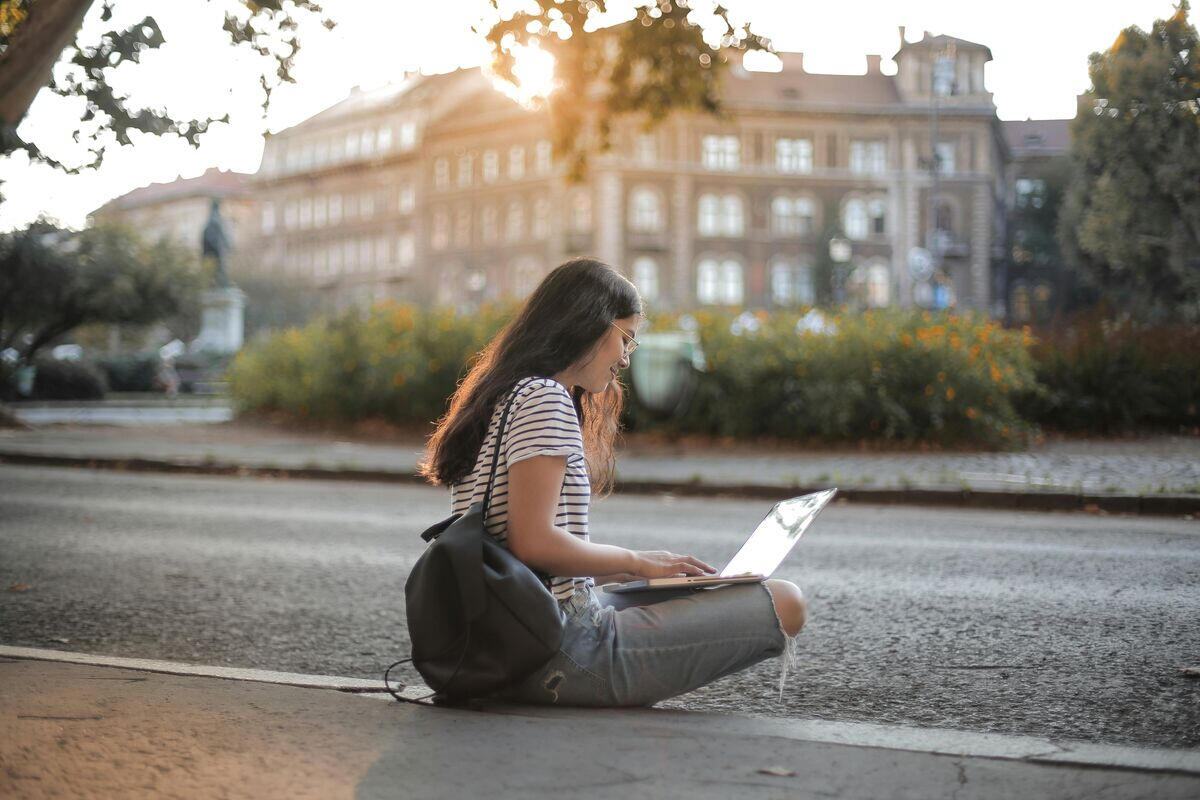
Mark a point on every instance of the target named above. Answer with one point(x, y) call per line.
point(941, 84)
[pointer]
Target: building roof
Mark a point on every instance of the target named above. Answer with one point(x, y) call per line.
point(213, 183)
point(930, 42)
point(1044, 137)
point(798, 86)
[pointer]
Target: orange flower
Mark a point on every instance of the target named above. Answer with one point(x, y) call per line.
point(949, 392)
point(971, 412)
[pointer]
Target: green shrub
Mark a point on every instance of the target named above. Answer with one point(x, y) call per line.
point(67, 380)
point(131, 373)
point(890, 374)
point(1100, 375)
point(398, 363)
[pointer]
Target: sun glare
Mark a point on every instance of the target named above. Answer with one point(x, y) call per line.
point(534, 71)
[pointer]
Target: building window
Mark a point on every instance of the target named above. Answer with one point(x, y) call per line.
point(488, 229)
point(541, 218)
point(350, 252)
point(367, 144)
point(335, 258)
point(944, 153)
point(516, 162)
point(645, 148)
point(306, 155)
point(525, 277)
point(491, 166)
point(268, 217)
point(466, 169)
point(720, 215)
point(439, 237)
point(321, 152)
point(542, 158)
point(383, 139)
point(406, 250)
point(868, 157)
point(366, 205)
point(645, 210)
point(791, 283)
point(319, 209)
point(870, 285)
point(719, 282)
point(406, 200)
point(306, 213)
point(514, 221)
point(441, 173)
point(351, 145)
point(792, 216)
point(645, 277)
point(366, 252)
point(794, 156)
point(863, 218)
point(1031, 192)
point(462, 227)
point(720, 152)
point(408, 135)
point(1019, 306)
point(579, 218)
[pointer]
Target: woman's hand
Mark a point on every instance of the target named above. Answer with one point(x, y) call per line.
point(664, 564)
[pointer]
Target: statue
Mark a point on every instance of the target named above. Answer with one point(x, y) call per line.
point(215, 244)
point(222, 305)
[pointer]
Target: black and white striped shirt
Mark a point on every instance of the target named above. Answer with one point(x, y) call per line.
point(542, 422)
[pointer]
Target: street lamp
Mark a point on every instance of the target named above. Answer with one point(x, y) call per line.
point(941, 85)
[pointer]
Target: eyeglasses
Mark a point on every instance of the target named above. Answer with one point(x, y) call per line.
point(631, 343)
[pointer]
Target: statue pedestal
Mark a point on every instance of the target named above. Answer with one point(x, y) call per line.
point(222, 326)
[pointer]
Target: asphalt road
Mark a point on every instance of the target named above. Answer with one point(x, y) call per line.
point(1061, 625)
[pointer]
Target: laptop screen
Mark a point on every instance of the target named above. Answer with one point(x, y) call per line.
point(777, 534)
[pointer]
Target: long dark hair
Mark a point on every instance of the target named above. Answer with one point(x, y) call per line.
point(559, 325)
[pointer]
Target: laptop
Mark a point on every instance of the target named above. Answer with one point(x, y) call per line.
point(765, 550)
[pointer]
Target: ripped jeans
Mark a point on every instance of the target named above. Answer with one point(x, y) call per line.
point(638, 648)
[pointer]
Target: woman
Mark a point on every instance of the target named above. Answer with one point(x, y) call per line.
point(560, 357)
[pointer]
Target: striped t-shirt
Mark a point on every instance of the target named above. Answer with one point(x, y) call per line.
point(542, 422)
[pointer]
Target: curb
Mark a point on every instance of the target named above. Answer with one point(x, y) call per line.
point(1148, 505)
point(297, 679)
point(935, 741)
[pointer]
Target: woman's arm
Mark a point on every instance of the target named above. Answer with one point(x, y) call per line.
point(533, 490)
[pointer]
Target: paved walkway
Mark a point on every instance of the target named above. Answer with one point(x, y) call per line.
point(1151, 475)
point(112, 728)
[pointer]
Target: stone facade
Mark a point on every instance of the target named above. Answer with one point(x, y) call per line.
point(442, 190)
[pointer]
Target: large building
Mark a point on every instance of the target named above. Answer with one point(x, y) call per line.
point(443, 190)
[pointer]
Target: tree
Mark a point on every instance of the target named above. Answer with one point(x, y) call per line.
point(1132, 214)
point(654, 65)
point(37, 34)
point(52, 281)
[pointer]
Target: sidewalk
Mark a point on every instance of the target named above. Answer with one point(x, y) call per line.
point(1159, 475)
point(115, 729)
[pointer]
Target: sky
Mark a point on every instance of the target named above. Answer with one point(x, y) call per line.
point(1039, 47)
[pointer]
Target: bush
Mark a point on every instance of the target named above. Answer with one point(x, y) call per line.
point(131, 373)
point(67, 380)
point(398, 363)
point(891, 375)
point(1101, 375)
